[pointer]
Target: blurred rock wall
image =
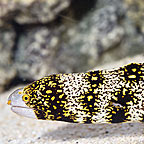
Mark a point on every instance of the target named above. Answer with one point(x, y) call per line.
point(38, 38)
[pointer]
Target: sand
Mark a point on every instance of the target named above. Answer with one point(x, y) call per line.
point(15, 129)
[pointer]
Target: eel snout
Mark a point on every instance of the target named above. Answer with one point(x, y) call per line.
point(18, 106)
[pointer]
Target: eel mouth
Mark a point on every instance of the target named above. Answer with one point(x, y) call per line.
point(18, 106)
point(23, 111)
point(13, 106)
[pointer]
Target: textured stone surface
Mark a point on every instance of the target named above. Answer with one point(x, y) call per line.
point(104, 35)
point(7, 71)
point(31, 11)
point(15, 129)
point(98, 32)
point(36, 50)
point(42, 50)
point(135, 10)
point(131, 42)
point(134, 27)
point(7, 37)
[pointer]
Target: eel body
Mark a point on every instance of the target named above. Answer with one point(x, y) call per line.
point(102, 96)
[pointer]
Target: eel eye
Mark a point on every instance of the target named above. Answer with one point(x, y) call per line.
point(25, 98)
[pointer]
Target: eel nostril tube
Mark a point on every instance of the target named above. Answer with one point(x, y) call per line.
point(9, 102)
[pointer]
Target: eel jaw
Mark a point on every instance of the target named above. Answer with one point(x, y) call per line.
point(18, 106)
point(24, 111)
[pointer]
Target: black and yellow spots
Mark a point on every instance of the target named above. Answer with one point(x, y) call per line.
point(59, 91)
point(61, 96)
point(94, 85)
point(134, 69)
point(90, 98)
point(94, 78)
point(114, 97)
point(113, 112)
point(132, 76)
point(96, 96)
point(133, 72)
point(124, 91)
point(129, 103)
point(49, 91)
point(54, 107)
point(53, 98)
point(20, 93)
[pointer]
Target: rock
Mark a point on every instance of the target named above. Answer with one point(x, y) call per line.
point(7, 39)
point(134, 26)
point(135, 11)
point(97, 33)
point(7, 74)
point(31, 11)
point(42, 50)
point(7, 71)
point(104, 35)
point(35, 53)
point(98, 47)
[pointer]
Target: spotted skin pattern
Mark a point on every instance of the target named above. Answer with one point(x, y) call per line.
point(102, 96)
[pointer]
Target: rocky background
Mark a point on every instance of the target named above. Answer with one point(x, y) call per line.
point(40, 37)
